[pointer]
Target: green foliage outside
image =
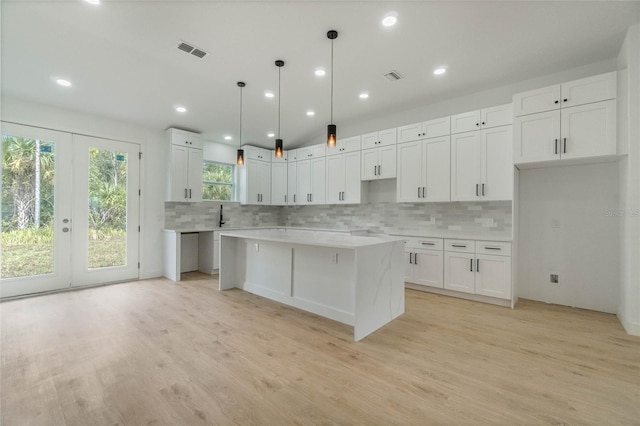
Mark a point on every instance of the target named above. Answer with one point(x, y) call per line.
point(28, 177)
point(217, 181)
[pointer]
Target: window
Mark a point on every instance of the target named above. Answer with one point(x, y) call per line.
point(217, 181)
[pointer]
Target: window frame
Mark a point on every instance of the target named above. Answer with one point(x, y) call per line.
point(211, 182)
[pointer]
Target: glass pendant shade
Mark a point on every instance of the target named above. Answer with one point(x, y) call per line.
point(240, 158)
point(279, 151)
point(331, 135)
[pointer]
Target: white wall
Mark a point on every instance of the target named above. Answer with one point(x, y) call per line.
point(153, 166)
point(629, 181)
point(565, 228)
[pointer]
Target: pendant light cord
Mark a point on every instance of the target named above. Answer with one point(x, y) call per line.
point(240, 117)
point(279, 69)
point(331, 81)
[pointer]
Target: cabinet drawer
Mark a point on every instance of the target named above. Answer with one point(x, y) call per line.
point(461, 246)
point(498, 248)
point(424, 243)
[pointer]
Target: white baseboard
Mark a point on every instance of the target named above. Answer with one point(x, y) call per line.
point(632, 328)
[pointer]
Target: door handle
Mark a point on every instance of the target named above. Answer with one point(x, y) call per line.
point(483, 189)
point(189, 192)
point(564, 150)
point(375, 173)
point(415, 258)
point(410, 262)
point(424, 188)
point(556, 148)
point(477, 193)
point(185, 193)
point(477, 265)
point(471, 265)
point(294, 198)
point(380, 169)
point(418, 192)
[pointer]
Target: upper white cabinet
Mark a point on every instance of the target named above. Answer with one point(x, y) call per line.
point(481, 165)
point(345, 145)
point(283, 159)
point(279, 184)
point(597, 88)
point(580, 123)
point(500, 115)
point(292, 182)
point(426, 129)
point(424, 170)
point(185, 166)
point(379, 163)
point(311, 181)
point(313, 151)
point(255, 176)
point(380, 138)
point(343, 178)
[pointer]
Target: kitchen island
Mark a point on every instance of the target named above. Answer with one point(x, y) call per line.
point(356, 280)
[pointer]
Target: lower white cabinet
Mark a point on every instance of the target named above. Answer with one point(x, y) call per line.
point(478, 267)
point(424, 262)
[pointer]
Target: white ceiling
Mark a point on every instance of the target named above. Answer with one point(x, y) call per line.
point(122, 57)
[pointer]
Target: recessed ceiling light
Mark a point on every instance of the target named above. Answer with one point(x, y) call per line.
point(270, 135)
point(311, 113)
point(63, 82)
point(364, 95)
point(269, 94)
point(94, 2)
point(440, 70)
point(227, 138)
point(390, 19)
point(181, 109)
point(320, 72)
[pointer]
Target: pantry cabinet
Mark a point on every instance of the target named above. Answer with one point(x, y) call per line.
point(423, 172)
point(185, 166)
point(482, 165)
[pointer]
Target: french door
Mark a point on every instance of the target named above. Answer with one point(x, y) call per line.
point(70, 210)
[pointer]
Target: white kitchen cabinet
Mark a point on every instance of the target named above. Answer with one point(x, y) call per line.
point(311, 181)
point(379, 163)
point(185, 166)
point(345, 145)
point(427, 129)
point(596, 88)
point(379, 138)
point(255, 176)
point(292, 183)
point(424, 170)
point(469, 268)
point(283, 159)
point(482, 165)
point(313, 151)
point(279, 184)
point(424, 262)
point(257, 153)
point(486, 118)
point(583, 131)
point(343, 178)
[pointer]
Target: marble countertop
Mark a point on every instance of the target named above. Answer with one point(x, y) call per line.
point(235, 228)
point(336, 240)
point(460, 235)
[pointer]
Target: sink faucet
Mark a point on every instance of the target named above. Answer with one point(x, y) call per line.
point(222, 222)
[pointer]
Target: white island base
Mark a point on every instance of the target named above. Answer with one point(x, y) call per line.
point(355, 280)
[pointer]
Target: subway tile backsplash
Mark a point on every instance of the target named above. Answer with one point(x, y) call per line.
point(487, 217)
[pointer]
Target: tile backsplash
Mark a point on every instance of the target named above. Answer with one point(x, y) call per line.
point(487, 217)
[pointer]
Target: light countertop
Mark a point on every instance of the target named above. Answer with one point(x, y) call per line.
point(337, 240)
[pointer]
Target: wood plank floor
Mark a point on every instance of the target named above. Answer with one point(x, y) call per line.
point(159, 353)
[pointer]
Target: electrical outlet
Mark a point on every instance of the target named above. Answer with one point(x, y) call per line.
point(553, 279)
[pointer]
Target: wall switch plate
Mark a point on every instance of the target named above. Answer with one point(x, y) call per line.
point(554, 279)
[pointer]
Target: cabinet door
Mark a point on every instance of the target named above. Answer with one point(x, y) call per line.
point(437, 127)
point(388, 137)
point(493, 276)
point(600, 87)
point(369, 169)
point(459, 272)
point(409, 183)
point(352, 144)
point(253, 180)
point(370, 140)
point(408, 266)
point(496, 163)
point(465, 122)
point(352, 183)
point(304, 182)
point(179, 167)
point(437, 169)
point(265, 182)
point(319, 150)
point(465, 166)
point(279, 184)
point(335, 178)
point(410, 132)
point(195, 175)
point(318, 184)
point(292, 179)
point(501, 115)
point(429, 268)
point(537, 137)
point(589, 130)
point(538, 100)
point(387, 162)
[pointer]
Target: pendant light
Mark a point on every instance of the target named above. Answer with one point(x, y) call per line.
point(240, 157)
point(279, 151)
point(331, 128)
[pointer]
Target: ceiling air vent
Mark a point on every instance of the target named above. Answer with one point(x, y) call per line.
point(195, 51)
point(393, 76)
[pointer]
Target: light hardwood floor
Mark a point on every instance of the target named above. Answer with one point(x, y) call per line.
point(159, 353)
